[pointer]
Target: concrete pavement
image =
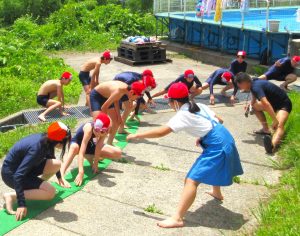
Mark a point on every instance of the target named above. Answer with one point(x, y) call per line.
point(113, 203)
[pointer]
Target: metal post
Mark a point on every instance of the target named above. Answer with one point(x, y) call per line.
point(267, 16)
point(184, 9)
point(256, 3)
point(169, 7)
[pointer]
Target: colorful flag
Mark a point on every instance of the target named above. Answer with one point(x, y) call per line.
point(218, 12)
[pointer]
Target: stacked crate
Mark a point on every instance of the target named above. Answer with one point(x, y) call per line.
point(134, 54)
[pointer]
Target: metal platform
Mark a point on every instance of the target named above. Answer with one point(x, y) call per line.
point(135, 63)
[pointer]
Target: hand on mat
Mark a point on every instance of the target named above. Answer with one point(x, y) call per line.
point(95, 167)
point(232, 100)
point(212, 99)
point(21, 213)
point(131, 137)
point(79, 178)
point(275, 124)
point(151, 102)
point(63, 183)
point(134, 117)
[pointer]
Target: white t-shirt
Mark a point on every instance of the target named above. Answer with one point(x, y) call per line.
point(193, 124)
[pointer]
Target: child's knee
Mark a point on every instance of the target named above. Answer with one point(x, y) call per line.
point(117, 154)
point(51, 192)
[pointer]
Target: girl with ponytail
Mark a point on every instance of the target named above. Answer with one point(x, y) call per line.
point(219, 161)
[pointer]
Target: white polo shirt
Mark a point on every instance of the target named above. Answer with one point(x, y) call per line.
point(191, 123)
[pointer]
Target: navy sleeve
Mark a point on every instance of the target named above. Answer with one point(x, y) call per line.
point(258, 92)
point(23, 169)
point(232, 67)
point(245, 67)
point(176, 81)
point(212, 82)
point(148, 95)
point(197, 82)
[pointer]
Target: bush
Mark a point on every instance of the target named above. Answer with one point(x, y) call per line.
point(40, 9)
point(8, 139)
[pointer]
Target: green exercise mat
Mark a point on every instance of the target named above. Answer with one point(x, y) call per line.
point(8, 222)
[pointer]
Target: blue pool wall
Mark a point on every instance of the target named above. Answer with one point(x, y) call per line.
point(229, 39)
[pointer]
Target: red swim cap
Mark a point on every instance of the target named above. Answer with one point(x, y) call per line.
point(138, 88)
point(107, 55)
point(66, 75)
point(296, 59)
point(148, 72)
point(227, 75)
point(101, 122)
point(178, 90)
point(241, 53)
point(58, 131)
point(189, 74)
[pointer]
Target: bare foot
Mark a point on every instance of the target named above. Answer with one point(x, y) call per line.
point(9, 201)
point(216, 196)
point(42, 118)
point(170, 223)
point(223, 93)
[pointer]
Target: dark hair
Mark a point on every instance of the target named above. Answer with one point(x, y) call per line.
point(49, 145)
point(242, 77)
point(193, 107)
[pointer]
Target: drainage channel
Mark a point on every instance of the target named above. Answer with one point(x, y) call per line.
point(31, 117)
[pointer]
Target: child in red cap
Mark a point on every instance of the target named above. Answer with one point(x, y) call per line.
point(283, 70)
point(88, 143)
point(130, 77)
point(239, 64)
point(29, 158)
point(222, 77)
point(51, 89)
point(106, 96)
point(90, 81)
point(190, 80)
point(219, 161)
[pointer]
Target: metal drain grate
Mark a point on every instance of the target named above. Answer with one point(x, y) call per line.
point(31, 117)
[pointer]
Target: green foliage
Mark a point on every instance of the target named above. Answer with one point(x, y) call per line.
point(76, 26)
point(281, 215)
point(8, 139)
point(259, 70)
point(153, 209)
point(24, 68)
point(40, 9)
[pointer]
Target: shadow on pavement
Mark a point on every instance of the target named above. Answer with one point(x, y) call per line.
point(141, 213)
point(145, 141)
point(60, 216)
point(104, 180)
point(135, 161)
point(214, 215)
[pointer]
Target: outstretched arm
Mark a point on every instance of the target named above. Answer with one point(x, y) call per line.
point(154, 133)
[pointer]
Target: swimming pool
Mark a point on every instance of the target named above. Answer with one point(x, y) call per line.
point(254, 19)
point(229, 36)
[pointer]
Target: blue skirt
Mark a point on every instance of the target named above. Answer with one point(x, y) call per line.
point(220, 160)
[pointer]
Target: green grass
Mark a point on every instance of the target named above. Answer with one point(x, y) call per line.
point(236, 179)
point(8, 139)
point(281, 215)
point(153, 209)
point(162, 168)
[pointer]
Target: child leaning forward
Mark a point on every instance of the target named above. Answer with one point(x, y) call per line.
point(218, 163)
